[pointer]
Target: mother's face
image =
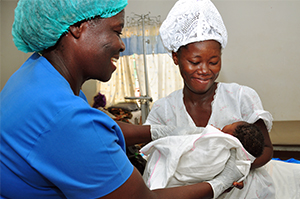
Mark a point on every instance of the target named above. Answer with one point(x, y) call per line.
point(199, 64)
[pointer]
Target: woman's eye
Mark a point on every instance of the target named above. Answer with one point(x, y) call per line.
point(194, 63)
point(214, 63)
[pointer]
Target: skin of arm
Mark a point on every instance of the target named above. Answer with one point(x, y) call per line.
point(268, 150)
point(134, 187)
point(135, 134)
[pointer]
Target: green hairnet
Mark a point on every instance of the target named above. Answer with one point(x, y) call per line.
point(39, 24)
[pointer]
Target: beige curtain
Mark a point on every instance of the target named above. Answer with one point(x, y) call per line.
point(121, 84)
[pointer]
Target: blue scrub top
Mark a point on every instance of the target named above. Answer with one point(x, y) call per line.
point(53, 144)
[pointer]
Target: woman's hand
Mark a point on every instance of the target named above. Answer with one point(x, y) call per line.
point(230, 174)
point(238, 185)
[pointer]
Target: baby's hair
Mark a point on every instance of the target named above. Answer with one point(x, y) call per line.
point(251, 137)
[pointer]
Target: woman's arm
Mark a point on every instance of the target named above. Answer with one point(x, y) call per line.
point(135, 187)
point(251, 108)
point(135, 134)
point(268, 150)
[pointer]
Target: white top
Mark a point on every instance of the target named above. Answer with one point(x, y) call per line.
point(232, 102)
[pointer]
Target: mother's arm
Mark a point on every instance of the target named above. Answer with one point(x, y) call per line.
point(268, 150)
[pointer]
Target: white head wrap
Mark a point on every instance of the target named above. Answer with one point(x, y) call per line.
point(192, 21)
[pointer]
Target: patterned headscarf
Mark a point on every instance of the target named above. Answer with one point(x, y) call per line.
point(192, 21)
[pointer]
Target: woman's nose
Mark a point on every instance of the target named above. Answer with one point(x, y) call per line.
point(202, 68)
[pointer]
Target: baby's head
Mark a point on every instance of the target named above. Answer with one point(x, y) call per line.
point(249, 135)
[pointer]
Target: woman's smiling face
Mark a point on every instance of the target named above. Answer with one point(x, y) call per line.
point(100, 47)
point(199, 64)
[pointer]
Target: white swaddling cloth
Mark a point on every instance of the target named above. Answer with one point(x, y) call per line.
point(188, 159)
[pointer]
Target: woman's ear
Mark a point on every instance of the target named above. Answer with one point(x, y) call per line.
point(76, 30)
point(175, 57)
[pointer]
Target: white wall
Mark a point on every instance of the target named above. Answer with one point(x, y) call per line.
point(263, 49)
point(264, 52)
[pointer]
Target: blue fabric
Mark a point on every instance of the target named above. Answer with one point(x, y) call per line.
point(53, 144)
point(291, 160)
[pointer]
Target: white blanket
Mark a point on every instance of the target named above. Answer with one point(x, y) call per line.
point(187, 159)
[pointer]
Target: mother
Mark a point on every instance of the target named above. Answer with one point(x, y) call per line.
point(195, 35)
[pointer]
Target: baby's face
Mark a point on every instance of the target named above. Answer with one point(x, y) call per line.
point(229, 129)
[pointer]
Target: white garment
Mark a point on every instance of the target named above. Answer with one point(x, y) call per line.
point(232, 103)
point(188, 159)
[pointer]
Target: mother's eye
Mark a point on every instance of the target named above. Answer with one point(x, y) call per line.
point(194, 63)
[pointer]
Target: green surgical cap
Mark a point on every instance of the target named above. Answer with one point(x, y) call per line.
point(39, 24)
